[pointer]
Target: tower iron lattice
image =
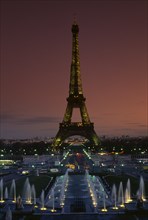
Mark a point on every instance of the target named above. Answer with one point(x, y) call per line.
point(75, 99)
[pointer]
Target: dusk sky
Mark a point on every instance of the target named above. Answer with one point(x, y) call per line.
point(36, 50)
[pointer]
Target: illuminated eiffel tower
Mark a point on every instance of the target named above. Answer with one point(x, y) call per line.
point(76, 99)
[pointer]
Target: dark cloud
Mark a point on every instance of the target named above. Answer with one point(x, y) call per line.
point(4, 117)
point(137, 124)
point(17, 119)
point(39, 119)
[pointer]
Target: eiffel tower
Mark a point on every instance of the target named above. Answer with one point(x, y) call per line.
point(76, 99)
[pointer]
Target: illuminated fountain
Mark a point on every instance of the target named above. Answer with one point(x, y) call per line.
point(6, 193)
point(141, 190)
point(121, 195)
point(98, 193)
point(27, 192)
point(103, 199)
point(37, 172)
point(114, 196)
point(13, 191)
point(53, 197)
point(63, 188)
point(56, 195)
point(128, 192)
point(104, 203)
point(33, 194)
point(92, 190)
point(1, 191)
point(8, 214)
point(42, 199)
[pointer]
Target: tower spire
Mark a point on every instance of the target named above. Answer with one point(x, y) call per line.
point(74, 18)
point(75, 86)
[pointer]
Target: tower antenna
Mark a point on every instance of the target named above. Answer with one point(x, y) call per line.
point(75, 18)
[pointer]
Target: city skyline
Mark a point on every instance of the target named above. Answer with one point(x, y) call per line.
point(36, 56)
